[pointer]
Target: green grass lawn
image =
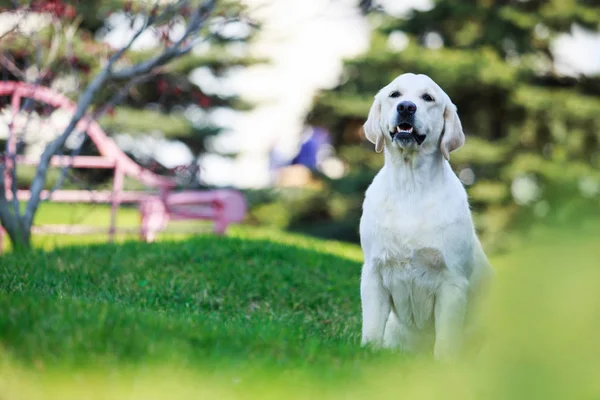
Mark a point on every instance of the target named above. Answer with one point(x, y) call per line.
point(98, 216)
point(263, 314)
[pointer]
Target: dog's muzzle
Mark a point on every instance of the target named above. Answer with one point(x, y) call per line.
point(405, 133)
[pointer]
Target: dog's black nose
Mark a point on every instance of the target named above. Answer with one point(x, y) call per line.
point(406, 108)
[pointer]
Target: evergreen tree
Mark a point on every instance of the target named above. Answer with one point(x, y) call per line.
point(532, 150)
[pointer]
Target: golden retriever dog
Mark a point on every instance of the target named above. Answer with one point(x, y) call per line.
point(424, 267)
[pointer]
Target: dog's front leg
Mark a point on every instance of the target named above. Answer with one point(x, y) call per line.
point(376, 306)
point(450, 312)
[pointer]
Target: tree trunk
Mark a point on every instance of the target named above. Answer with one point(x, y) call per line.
point(19, 234)
point(21, 240)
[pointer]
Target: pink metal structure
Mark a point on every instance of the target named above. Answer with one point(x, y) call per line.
point(156, 208)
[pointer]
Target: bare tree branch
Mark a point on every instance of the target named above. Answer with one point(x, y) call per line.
point(13, 184)
point(14, 138)
point(172, 51)
point(149, 21)
point(7, 218)
point(97, 83)
point(114, 100)
point(12, 67)
point(37, 184)
point(53, 52)
point(19, 224)
point(11, 154)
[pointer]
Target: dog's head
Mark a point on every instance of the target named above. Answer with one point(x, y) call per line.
point(413, 114)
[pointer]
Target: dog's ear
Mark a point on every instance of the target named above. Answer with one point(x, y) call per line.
point(372, 126)
point(453, 137)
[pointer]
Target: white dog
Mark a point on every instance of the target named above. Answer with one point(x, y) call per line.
point(423, 263)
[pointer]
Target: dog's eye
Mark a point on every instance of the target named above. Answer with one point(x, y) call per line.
point(427, 97)
point(395, 93)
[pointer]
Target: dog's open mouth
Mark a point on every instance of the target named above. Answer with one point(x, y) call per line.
point(405, 133)
point(405, 128)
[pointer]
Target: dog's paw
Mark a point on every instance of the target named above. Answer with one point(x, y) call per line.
point(373, 344)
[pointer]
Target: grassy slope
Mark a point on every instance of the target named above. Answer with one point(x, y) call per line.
point(263, 314)
point(206, 299)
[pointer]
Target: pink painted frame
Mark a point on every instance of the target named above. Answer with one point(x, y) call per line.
point(222, 206)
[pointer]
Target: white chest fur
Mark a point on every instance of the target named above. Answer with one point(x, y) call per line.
point(401, 219)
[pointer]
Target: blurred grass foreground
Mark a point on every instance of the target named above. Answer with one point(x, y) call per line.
point(267, 315)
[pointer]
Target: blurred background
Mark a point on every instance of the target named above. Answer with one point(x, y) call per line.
point(274, 102)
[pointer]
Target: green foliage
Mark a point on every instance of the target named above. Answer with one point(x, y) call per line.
point(507, 27)
point(134, 120)
point(218, 59)
point(142, 122)
point(520, 117)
